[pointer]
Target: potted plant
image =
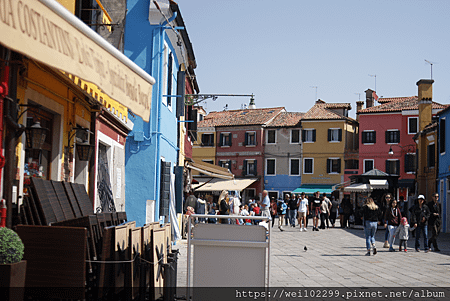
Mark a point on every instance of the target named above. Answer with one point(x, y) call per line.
point(12, 267)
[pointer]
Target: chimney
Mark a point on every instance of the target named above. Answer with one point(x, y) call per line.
point(369, 98)
point(425, 87)
point(252, 105)
point(319, 101)
point(425, 97)
point(359, 107)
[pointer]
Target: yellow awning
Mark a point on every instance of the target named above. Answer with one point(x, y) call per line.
point(220, 184)
point(210, 170)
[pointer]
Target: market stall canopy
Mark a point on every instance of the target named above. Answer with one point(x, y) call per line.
point(219, 184)
point(358, 188)
point(47, 32)
point(210, 170)
point(379, 184)
point(310, 189)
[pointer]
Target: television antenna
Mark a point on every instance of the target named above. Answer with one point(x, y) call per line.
point(374, 75)
point(316, 91)
point(431, 66)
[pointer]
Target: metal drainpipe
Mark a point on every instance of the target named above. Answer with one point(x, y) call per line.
point(158, 122)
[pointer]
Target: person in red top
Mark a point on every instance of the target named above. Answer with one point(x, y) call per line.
point(273, 210)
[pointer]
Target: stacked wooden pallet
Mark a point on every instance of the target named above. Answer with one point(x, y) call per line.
point(120, 257)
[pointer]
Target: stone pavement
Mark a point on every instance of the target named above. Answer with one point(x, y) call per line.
point(335, 257)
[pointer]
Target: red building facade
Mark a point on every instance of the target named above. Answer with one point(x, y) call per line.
point(386, 138)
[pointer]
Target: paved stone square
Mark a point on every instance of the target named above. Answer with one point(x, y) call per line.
point(335, 257)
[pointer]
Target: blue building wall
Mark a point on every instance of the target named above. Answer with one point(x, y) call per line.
point(444, 171)
point(282, 183)
point(148, 142)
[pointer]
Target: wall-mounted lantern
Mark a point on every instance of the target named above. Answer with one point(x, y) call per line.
point(35, 136)
point(84, 148)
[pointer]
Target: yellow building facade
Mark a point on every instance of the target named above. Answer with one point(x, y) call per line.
point(204, 149)
point(323, 153)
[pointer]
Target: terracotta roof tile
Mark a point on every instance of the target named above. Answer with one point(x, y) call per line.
point(389, 99)
point(286, 119)
point(398, 104)
point(323, 110)
point(241, 117)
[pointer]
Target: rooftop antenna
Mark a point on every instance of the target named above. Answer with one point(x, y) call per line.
point(359, 96)
point(316, 91)
point(431, 66)
point(374, 75)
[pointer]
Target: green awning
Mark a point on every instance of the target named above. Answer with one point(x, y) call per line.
point(311, 189)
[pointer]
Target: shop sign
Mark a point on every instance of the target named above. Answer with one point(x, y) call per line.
point(35, 30)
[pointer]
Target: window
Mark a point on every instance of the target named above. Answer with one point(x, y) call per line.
point(295, 136)
point(431, 157)
point(165, 69)
point(225, 164)
point(225, 139)
point(295, 167)
point(309, 135)
point(368, 165)
point(270, 167)
point(410, 163)
point(442, 136)
point(208, 140)
point(333, 165)
point(249, 168)
point(392, 136)
point(413, 125)
point(334, 135)
point(169, 79)
point(393, 167)
point(271, 137)
point(368, 137)
point(208, 161)
point(250, 139)
point(351, 164)
point(308, 165)
point(273, 194)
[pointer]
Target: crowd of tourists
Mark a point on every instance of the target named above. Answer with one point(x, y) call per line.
point(297, 209)
point(423, 217)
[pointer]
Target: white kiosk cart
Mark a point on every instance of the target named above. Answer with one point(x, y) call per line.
point(225, 255)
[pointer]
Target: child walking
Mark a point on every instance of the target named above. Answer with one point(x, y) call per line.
point(403, 233)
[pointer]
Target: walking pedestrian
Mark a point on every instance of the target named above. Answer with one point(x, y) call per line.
point(419, 218)
point(371, 215)
point(333, 211)
point(392, 219)
point(224, 207)
point(347, 209)
point(287, 197)
point(403, 233)
point(385, 201)
point(315, 208)
point(265, 204)
point(435, 221)
point(273, 210)
point(281, 213)
point(303, 211)
point(292, 210)
point(325, 211)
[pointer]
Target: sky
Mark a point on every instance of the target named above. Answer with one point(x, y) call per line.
point(291, 53)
